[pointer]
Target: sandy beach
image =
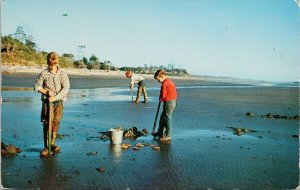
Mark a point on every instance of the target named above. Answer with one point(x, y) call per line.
point(9, 69)
point(204, 152)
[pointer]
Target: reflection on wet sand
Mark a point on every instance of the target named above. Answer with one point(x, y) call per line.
point(116, 151)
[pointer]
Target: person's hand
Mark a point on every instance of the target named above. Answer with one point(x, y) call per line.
point(50, 93)
point(52, 99)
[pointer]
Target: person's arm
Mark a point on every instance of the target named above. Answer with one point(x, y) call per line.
point(65, 88)
point(163, 92)
point(131, 82)
point(39, 87)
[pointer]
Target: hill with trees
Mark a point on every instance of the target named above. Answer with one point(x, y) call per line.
point(19, 49)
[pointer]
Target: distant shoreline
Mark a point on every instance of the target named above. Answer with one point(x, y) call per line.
point(19, 71)
point(21, 77)
point(8, 69)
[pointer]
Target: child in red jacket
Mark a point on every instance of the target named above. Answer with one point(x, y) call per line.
point(168, 95)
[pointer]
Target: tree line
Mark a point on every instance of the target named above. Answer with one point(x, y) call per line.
point(20, 49)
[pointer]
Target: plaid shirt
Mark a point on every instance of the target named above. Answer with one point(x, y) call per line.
point(58, 83)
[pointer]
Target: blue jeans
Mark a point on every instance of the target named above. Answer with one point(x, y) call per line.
point(165, 121)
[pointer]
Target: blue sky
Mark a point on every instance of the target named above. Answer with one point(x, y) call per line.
point(254, 39)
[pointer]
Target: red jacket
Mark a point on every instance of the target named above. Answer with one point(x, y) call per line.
point(168, 91)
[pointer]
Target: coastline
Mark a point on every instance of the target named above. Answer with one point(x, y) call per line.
point(94, 79)
point(20, 77)
point(9, 69)
point(25, 76)
point(18, 71)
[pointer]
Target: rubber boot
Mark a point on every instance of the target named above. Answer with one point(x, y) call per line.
point(44, 152)
point(54, 147)
point(145, 95)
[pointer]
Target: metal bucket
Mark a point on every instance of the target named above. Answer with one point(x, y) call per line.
point(116, 136)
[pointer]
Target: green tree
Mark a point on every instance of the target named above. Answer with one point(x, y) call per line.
point(31, 45)
point(93, 62)
point(69, 55)
point(106, 65)
point(85, 60)
point(65, 62)
point(170, 67)
point(9, 44)
point(79, 64)
point(20, 34)
point(29, 42)
point(94, 58)
point(94, 65)
point(162, 67)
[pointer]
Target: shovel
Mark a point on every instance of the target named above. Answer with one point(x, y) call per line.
point(131, 95)
point(50, 127)
point(155, 120)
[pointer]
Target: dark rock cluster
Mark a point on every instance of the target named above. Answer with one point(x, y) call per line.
point(134, 133)
point(9, 150)
point(241, 131)
point(274, 116)
point(131, 133)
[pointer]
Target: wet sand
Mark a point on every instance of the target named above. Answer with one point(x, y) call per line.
point(204, 152)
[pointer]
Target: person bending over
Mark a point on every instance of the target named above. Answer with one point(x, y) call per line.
point(137, 79)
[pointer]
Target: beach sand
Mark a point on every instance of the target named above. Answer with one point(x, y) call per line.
point(204, 152)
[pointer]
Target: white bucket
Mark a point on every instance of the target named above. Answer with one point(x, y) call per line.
point(116, 136)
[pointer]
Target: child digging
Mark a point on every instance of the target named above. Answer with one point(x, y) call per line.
point(168, 95)
point(137, 79)
point(54, 86)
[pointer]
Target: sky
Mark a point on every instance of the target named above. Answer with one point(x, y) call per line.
point(254, 39)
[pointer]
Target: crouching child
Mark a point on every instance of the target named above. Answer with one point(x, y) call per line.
point(137, 79)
